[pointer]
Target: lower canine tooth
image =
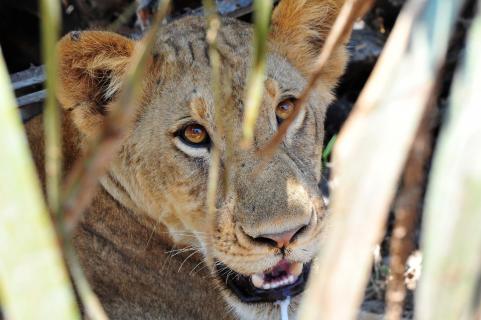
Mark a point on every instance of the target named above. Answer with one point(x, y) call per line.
point(291, 279)
point(257, 280)
point(296, 269)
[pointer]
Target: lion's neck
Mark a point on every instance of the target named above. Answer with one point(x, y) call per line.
point(134, 271)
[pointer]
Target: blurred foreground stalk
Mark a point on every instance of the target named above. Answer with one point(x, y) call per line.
point(212, 32)
point(371, 152)
point(452, 227)
point(255, 82)
point(33, 280)
point(50, 23)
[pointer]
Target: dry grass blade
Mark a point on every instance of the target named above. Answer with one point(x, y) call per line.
point(50, 22)
point(124, 17)
point(451, 242)
point(33, 280)
point(370, 154)
point(82, 181)
point(350, 12)
point(214, 24)
point(255, 81)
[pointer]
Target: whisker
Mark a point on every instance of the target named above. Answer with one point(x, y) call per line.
point(191, 271)
point(186, 260)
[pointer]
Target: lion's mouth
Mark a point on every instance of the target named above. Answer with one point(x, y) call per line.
point(286, 279)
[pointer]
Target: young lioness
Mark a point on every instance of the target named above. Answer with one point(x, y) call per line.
point(258, 247)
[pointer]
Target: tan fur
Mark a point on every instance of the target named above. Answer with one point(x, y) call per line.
point(299, 31)
point(153, 197)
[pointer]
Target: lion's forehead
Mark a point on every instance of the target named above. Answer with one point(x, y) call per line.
point(184, 42)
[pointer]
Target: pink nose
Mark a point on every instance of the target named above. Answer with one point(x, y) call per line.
point(283, 239)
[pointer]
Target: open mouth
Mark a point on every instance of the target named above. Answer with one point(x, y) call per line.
point(286, 279)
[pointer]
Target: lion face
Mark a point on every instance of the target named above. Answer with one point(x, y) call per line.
point(260, 241)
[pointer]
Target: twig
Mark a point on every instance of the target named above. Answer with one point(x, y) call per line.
point(255, 81)
point(50, 12)
point(406, 210)
point(123, 18)
point(214, 24)
point(82, 180)
point(350, 12)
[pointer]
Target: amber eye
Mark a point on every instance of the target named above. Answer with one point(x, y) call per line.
point(195, 135)
point(284, 110)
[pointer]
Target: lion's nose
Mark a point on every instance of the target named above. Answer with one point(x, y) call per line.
point(280, 240)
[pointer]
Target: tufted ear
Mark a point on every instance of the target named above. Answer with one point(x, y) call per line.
point(299, 30)
point(91, 69)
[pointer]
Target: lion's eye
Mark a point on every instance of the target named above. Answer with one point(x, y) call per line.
point(284, 110)
point(195, 135)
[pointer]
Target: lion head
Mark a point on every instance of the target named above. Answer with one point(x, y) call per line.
point(269, 216)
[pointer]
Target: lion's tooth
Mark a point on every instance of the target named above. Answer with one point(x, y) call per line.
point(257, 280)
point(291, 279)
point(296, 269)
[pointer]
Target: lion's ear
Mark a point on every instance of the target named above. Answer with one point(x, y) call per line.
point(91, 69)
point(299, 30)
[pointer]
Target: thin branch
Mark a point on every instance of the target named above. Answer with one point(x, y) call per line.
point(350, 12)
point(50, 23)
point(406, 210)
point(127, 14)
point(82, 181)
point(214, 23)
point(255, 81)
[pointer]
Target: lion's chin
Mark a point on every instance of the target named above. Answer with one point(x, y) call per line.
point(262, 311)
point(257, 296)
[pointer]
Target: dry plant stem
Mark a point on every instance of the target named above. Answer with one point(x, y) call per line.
point(406, 210)
point(50, 22)
point(214, 24)
point(256, 78)
point(451, 237)
point(33, 279)
point(82, 181)
point(371, 152)
point(350, 12)
point(124, 17)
